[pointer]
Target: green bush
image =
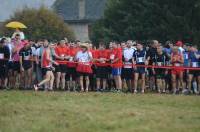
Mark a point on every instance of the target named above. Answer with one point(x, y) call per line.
point(41, 23)
point(149, 19)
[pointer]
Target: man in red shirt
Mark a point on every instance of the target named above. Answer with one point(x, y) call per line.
point(116, 64)
point(71, 67)
point(61, 52)
point(102, 71)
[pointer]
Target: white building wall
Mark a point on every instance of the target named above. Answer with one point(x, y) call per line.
point(81, 31)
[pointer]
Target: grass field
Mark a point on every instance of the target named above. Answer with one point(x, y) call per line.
point(27, 111)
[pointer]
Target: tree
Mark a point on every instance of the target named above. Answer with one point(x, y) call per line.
point(41, 23)
point(149, 19)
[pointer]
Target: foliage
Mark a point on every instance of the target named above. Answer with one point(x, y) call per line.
point(149, 19)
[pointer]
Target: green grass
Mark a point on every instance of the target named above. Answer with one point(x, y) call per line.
point(27, 111)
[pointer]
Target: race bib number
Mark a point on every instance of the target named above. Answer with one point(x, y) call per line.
point(194, 64)
point(102, 60)
point(127, 65)
point(159, 63)
point(177, 64)
point(71, 59)
point(112, 57)
point(186, 56)
point(140, 59)
point(26, 57)
point(1, 56)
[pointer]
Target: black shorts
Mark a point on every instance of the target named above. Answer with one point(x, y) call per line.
point(102, 72)
point(150, 72)
point(195, 73)
point(16, 66)
point(10, 65)
point(45, 70)
point(61, 68)
point(3, 72)
point(140, 70)
point(83, 74)
point(26, 65)
point(160, 73)
point(127, 73)
point(71, 72)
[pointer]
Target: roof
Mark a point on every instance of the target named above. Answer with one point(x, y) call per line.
point(69, 10)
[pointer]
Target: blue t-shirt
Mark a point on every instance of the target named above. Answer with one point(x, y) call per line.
point(186, 58)
point(194, 61)
point(167, 51)
point(140, 56)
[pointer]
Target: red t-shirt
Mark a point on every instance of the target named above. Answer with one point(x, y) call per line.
point(72, 53)
point(102, 54)
point(114, 54)
point(61, 51)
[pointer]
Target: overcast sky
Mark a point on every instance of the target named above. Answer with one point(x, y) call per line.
point(8, 7)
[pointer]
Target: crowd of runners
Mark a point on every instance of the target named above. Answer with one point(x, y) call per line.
point(130, 66)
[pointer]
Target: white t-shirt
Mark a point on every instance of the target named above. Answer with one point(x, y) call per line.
point(181, 50)
point(84, 56)
point(128, 53)
point(22, 36)
point(10, 47)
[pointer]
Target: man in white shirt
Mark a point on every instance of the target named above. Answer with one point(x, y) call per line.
point(127, 70)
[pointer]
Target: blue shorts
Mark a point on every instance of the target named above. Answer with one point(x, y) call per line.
point(140, 70)
point(116, 71)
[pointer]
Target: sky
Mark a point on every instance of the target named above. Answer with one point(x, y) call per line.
point(8, 7)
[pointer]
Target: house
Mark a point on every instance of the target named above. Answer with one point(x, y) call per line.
point(80, 14)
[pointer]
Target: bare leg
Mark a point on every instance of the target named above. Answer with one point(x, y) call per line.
point(58, 75)
point(98, 83)
point(143, 82)
point(28, 81)
point(190, 77)
point(129, 84)
point(87, 83)
point(181, 80)
point(81, 83)
point(104, 84)
point(51, 80)
point(174, 83)
point(63, 80)
point(136, 75)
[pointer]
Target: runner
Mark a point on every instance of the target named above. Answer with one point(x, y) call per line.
point(26, 65)
point(194, 75)
point(18, 45)
point(127, 71)
point(139, 58)
point(102, 71)
point(4, 57)
point(177, 61)
point(71, 66)
point(62, 54)
point(116, 64)
point(84, 59)
point(151, 53)
point(160, 59)
point(47, 67)
point(10, 77)
point(186, 64)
